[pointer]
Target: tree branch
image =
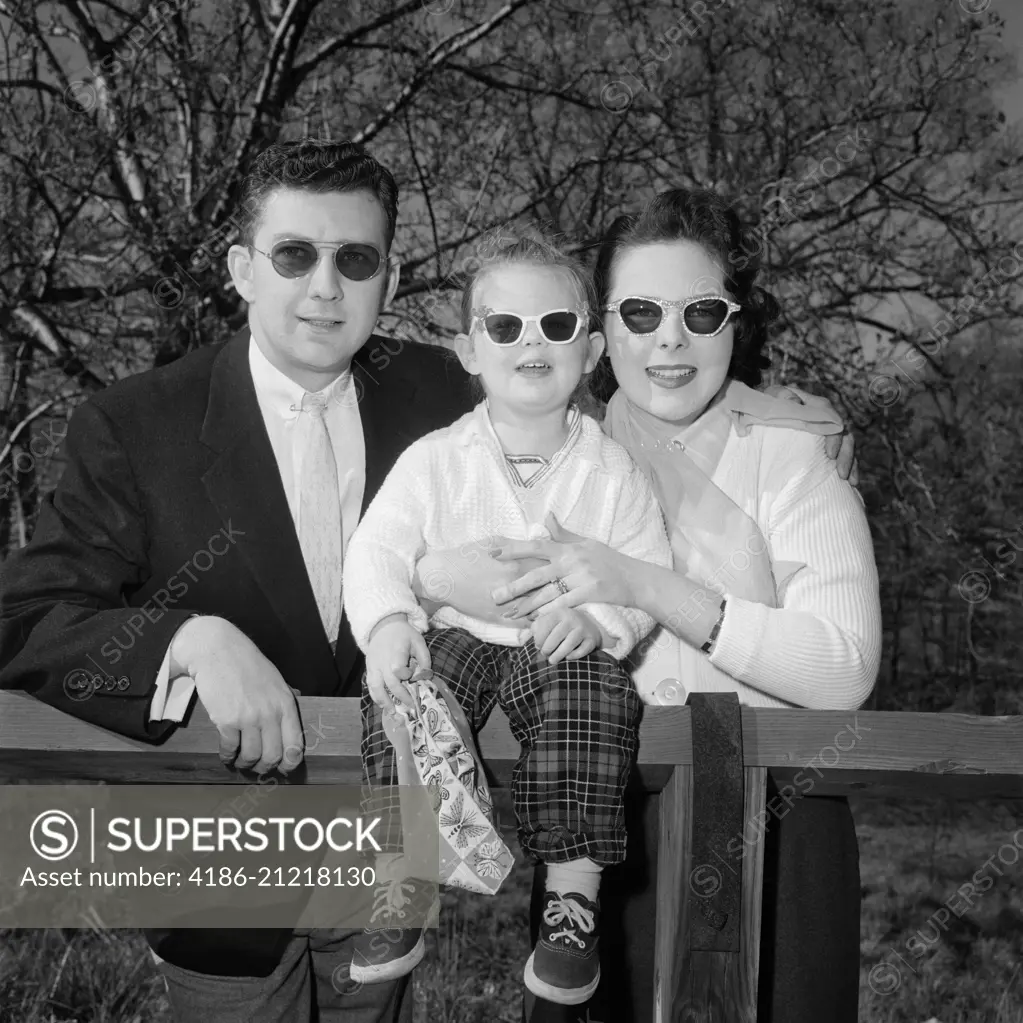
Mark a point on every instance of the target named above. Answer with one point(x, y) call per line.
point(302, 71)
point(48, 337)
point(262, 28)
point(499, 83)
point(438, 55)
point(16, 432)
point(297, 11)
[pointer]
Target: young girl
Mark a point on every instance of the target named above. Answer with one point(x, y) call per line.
point(526, 452)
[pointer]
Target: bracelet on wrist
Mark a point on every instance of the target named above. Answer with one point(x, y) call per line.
point(714, 632)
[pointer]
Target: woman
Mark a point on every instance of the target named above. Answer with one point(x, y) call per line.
point(774, 593)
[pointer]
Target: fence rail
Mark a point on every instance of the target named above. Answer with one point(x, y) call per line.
point(706, 966)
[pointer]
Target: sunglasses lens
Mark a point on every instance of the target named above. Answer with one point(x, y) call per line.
point(357, 262)
point(559, 328)
point(293, 259)
point(503, 328)
point(640, 316)
point(706, 316)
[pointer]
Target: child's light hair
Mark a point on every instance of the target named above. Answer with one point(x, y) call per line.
point(528, 251)
point(533, 251)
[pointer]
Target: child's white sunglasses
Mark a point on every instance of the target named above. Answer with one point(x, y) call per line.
point(558, 326)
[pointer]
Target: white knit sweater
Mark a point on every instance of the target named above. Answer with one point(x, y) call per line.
point(820, 649)
point(453, 488)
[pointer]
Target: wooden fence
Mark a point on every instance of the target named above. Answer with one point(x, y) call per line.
point(708, 764)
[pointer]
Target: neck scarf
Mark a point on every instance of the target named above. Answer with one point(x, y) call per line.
point(713, 540)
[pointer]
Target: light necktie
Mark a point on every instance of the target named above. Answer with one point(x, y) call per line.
point(319, 517)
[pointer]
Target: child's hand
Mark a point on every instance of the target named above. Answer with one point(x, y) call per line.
point(565, 632)
point(393, 645)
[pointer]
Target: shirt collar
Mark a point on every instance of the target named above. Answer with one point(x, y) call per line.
point(573, 420)
point(280, 392)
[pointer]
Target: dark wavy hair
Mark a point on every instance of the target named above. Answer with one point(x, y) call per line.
point(314, 165)
point(705, 218)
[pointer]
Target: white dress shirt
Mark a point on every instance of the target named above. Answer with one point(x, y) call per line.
point(279, 400)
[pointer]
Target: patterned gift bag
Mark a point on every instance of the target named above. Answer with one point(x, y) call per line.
point(435, 748)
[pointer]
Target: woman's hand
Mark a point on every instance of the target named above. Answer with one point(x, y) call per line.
point(463, 578)
point(590, 570)
point(839, 446)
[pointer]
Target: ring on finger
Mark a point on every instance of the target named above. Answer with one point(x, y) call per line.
point(560, 583)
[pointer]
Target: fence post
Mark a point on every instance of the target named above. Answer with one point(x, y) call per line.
point(710, 875)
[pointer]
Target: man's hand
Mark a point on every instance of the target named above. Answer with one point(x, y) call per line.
point(565, 633)
point(393, 647)
point(839, 446)
point(245, 696)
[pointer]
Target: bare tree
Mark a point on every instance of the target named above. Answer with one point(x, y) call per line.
point(862, 141)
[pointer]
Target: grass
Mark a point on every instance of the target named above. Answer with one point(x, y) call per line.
point(914, 856)
point(916, 964)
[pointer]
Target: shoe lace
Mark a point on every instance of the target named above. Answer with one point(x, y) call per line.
point(390, 900)
point(577, 917)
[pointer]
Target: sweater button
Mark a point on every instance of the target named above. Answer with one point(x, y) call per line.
point(670, 693)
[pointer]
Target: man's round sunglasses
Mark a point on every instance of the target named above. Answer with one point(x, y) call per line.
point(558, 326)
point(705, 316)
point(357, 261)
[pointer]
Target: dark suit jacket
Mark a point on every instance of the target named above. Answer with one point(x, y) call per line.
point(171, 504)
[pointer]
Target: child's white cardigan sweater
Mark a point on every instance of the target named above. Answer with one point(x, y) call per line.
point(453, 488)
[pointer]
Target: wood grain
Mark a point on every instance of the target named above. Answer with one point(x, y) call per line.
point(755, 796)
point(38, 742)
point(671, 927)
point(775, 738)
point(713, 992)
point(879, 740)
point(952, 755)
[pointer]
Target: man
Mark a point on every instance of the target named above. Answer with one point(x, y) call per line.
point(259, 454)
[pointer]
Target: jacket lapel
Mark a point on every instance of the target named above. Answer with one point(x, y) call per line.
point(244, 484)
point(388, 410)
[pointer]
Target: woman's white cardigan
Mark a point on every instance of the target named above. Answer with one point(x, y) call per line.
point(821, 648)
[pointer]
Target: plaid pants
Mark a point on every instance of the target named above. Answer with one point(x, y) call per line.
point(576, 721)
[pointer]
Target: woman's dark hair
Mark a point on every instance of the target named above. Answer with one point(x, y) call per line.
point(705, 218)
point(314, 165)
